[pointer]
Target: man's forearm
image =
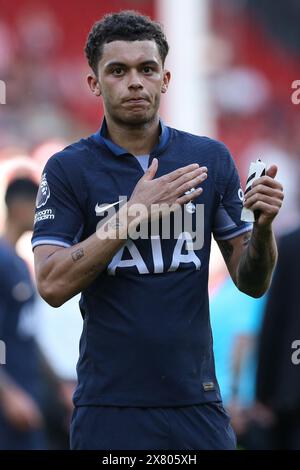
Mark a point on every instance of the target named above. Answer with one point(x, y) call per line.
point(70, 270)
point(254, 272)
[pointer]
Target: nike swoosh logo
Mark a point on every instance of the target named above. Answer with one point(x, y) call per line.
point(104, 207)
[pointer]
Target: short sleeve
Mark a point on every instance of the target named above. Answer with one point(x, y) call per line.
point(58, 217)
point(227, 221)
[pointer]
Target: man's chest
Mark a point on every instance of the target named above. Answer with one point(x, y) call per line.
point(114, 182)
point(177, 240)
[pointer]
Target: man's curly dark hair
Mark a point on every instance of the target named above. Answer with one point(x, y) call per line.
point(126, 25)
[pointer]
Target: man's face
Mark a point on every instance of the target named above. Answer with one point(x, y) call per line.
point(131, 79)
point(22, 213)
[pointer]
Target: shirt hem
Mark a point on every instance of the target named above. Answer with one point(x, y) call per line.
point(213, 397)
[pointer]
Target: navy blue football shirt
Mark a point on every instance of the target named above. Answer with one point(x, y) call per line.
point(146, 338)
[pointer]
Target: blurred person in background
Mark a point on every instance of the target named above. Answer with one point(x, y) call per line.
point(51, 377)
point(236, 321)
point(278, 375)
point(58, 336)
point(136, 376)
point(21, 419)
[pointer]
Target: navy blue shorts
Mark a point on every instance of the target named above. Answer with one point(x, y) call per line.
point(198, 427)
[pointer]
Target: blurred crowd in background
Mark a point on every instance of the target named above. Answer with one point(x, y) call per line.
point(253, 51)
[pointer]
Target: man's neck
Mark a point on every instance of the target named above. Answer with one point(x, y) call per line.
point(137, 140)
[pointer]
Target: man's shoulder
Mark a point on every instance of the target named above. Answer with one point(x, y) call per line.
point(7, 252)
point(200, 141)
point(74, 154)
point(290, 240)
point(8, 257)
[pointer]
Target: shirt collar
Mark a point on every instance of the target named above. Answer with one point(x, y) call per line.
point(101, 137)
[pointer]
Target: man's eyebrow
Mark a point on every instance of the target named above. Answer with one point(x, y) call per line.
point(114, 64)
point(122, 64)
point(149, 62)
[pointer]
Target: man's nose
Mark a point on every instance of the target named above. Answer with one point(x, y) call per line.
point(135, 81)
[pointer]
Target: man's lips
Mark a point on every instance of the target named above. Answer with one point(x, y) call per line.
point(136, 100)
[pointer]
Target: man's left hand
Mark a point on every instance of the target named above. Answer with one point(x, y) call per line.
point(265, 197)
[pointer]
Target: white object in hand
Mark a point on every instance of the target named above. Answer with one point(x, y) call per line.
point(256, 170)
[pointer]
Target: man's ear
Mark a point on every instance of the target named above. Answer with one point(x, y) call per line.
point(94, 84)
point(166, 80)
